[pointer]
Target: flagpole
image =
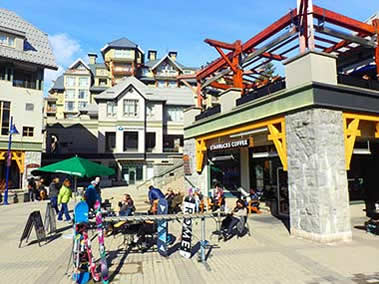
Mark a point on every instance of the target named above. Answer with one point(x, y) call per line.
point(9, 161)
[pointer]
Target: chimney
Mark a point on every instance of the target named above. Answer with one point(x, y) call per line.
point(92, 58)
point(173, 54)
point(151, 54)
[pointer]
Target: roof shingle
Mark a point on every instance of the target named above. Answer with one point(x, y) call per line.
point(37, 48)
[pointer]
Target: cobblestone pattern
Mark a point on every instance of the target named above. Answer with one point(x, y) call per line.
point(318, 194)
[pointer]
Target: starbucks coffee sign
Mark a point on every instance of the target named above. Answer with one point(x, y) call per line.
point(230, 145)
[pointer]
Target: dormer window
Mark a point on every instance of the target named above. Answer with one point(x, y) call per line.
point(7, 40)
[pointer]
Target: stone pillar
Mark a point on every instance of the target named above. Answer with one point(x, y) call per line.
point(195, 179)
point(317, 179)
point(245, 169)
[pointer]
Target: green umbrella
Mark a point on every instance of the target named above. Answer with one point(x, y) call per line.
point(78, 167)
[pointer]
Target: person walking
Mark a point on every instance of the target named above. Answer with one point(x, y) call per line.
point(53, 194)
point(64, 196)
point(91, 195)
point(32, 188)
point(97, 187)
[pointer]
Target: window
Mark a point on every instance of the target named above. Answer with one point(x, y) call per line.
point(83, 82)
point(29, 107)
point(70, 81)
point(24, 79)
point(69, 106)
point(175, 114)
point(5, 109)
point(110, 141)
point(82, 105)
point(130, 141)
point(172, 143)
point(7, 40)
point(111, 109)
point(27, 131)
point(70, 95)
point(123, 53)
point(82, 94)
point(172, 84)
point(103, 82)
point(150, 141)
point(149, 110)
point(131, 108)
point(161, 84)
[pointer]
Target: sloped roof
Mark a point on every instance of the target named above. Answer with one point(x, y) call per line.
point(121, 43)
point(171, 96)
point(58, 83)
point(154, 63)
point(116, 90)
point(37, 48)
point(77, 61)
point(93, 67)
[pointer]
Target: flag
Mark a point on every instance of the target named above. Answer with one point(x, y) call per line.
point(13, 130)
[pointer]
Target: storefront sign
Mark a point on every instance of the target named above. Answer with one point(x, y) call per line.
point(230, 145)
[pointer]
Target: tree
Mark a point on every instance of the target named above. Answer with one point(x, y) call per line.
point(266, 71)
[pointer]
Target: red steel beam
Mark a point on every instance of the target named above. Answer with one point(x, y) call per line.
point(376, 25)
point(220, 44)
point(342, 43)
point(221, 86)
point(325, 40)
point(342, 21)
point(260, 37)
point(232, 66)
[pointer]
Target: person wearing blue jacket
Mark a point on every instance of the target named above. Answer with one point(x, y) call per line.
point(91, 195)
point(155, 194)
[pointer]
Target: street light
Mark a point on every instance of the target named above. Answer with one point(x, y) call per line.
point(12, 131)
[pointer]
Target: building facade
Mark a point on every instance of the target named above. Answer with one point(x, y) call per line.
point(24, 54)
point(308, 142)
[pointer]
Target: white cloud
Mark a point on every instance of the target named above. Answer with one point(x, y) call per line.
point(64, 48)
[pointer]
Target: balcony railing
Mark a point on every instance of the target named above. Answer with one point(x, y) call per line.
point(51, 109)
point(358, 82)
point(208, 112)
point(263, 91)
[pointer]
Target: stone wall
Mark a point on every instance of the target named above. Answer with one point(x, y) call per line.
point(32, 161)
point(195, 179)
point(317, 179)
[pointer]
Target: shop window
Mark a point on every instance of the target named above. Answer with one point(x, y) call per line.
point(27, 131)
point(5, 108)
point(150, 141)
point(139, 173)
point(130, 141)
point(110, 141)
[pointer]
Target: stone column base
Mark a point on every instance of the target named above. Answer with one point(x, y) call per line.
point(323, 238)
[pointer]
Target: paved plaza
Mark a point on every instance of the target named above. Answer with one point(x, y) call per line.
point(269, 255)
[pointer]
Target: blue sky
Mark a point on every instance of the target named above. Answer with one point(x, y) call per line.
point(81, 26)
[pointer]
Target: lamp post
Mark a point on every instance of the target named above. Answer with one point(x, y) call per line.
point(12, 131)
